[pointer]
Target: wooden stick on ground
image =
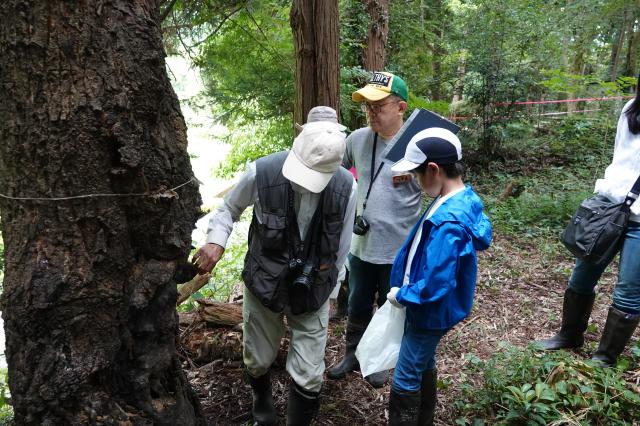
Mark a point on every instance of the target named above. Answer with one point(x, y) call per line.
point(190, 287)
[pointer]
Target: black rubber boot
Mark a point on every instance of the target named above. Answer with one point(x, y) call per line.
point(303, 406)
point(379, 379)
point(576, 310)
point(428, 397)
point(404, 408)
point(349, 363)
point(617, 331)
point(263, 410)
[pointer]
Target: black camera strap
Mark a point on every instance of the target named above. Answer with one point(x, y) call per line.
point(373, 175)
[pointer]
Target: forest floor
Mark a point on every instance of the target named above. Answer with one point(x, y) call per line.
point(518, 299)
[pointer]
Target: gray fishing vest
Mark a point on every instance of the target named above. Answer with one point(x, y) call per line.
point(274, 241)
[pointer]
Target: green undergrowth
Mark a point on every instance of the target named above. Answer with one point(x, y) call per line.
point(535, 184)
point(6, 412)
point(519, 386)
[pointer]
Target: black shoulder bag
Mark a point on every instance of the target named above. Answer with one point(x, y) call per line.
point(596, 230)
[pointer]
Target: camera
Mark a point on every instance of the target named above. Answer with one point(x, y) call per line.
point(360, 225)
point(307, 273)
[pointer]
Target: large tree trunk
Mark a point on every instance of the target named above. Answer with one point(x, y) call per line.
point(315, 34)
point(89, 296)
point(375, 50)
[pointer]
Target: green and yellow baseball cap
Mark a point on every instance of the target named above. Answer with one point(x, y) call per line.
point(381, 85)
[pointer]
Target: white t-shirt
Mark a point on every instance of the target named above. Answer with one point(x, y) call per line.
point(416, 239)
point(624, 169)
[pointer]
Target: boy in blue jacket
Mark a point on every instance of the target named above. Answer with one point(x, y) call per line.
point(434, 273)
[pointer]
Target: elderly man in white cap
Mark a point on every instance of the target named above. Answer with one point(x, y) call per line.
point(303, 209)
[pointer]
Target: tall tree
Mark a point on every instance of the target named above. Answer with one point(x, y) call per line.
point(437, 21)
point(89, 295)
point(375, 50)
point(621, 29)
point(315, 35)
point(631, 63)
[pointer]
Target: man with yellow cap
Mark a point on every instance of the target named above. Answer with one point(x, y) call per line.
point(388, 205)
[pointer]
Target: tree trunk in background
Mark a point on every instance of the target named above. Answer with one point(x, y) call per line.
point(577, 67)
point(315, 34)
point(461, 73)
point(375, 50)
point(89, 296)
point(632, 50)
point(617, 46)
point(438, 52)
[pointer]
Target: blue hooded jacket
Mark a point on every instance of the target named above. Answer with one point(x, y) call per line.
point(442, 278)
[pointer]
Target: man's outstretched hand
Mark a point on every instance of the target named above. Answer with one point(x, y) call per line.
point(207, 257)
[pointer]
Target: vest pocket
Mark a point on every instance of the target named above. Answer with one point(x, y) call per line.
point(273, 230)
point(330, 236)
point(265, 280)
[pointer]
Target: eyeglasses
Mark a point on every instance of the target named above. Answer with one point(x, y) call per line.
point(375, 108)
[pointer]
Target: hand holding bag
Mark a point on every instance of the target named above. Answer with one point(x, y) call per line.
point(380, 344)
point(596, 230)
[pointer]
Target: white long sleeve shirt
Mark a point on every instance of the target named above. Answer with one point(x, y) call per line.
point(624, 169)
point(245, 193)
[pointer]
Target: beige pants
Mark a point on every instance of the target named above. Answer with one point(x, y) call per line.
point(263, 330)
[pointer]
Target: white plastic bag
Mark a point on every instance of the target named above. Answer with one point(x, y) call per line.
point(380, 344)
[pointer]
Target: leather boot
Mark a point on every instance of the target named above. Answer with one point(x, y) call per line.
point(263, 410)
point(617, 331)
point(303, 406)
point(576, 310)
point(428, 397)
point(404, 408)
point(349, 363)
point(379, 379)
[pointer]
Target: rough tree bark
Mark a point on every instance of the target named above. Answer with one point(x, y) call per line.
point(89, 296)
point(315, 36)
point(375, 51)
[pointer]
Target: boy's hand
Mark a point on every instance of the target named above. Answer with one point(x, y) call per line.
point(207, 257)
point(391, 297)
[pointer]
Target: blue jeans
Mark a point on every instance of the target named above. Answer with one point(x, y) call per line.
point(626, 296)
point(365, 280)
point(417, 356)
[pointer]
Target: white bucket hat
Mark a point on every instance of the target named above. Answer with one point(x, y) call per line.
point(317, 151)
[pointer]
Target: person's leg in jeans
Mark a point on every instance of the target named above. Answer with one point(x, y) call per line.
point(362, 288)
point(624, 313)
point(384, 276)
point(363, 279)
point(626, 296)
point(576, 307)
point(414, 392)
